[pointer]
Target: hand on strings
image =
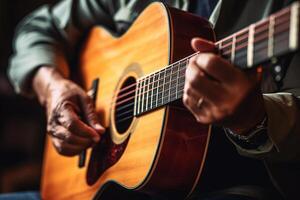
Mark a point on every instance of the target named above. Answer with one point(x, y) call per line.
point(216, 92)
point(71, 118)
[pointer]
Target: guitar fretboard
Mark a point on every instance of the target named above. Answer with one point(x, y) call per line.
point(258, 43)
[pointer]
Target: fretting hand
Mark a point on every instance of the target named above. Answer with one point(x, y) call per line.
point(216, 92)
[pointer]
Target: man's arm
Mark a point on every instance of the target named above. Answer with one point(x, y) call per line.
point(49, 35)
point(44, 44)
point(218, 93)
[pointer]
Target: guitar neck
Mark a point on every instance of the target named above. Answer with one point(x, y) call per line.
point(270, 38)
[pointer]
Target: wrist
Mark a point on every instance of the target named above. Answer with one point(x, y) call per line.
point(246, 127)
point(44, 77)
point(251, 112)
point(254, 138)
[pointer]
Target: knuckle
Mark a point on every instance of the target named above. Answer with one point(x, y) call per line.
point(67, 137)
point(193, 60)
point(210, 61)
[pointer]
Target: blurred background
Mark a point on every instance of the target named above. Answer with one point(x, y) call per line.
point(22, 122)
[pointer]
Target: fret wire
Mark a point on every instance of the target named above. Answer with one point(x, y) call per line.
point(137, 100)
point(245, 45)
point(168, 79)
point(142, 95)
point(177, 78)
point(174, 76)
point(294, 24)
point(238, 40)
point(233, 48)
point(243, 32)
point(180, 84)
point(239, 36)
point(150, 91)
point(155, 87)
point(166, 90)
point(181, 70)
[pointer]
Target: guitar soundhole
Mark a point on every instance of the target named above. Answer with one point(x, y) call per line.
point(124, 107)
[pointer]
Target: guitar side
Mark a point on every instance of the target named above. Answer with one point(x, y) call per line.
point(165, 149)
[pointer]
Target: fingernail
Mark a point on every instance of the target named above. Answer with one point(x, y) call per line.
point(99, 127)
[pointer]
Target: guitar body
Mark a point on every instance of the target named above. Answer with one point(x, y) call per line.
point(160, 152)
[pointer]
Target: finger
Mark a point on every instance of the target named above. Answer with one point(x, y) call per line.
point(71, 121)
point(65, 135)
point(90, 114)
point(199, 112)
point(216, 67)
point(66, 149)
point(201, 85)
point(202, 45)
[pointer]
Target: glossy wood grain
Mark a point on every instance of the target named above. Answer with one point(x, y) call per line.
point(158, 141)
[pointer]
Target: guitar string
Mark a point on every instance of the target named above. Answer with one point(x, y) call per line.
point(168, 82)
point(162, 92)
point(245, 33)
point(229, 51)
point(179, 63)
point(169, 89)
point(153, 88)
point(180, 83)
point(263, 27)
point(131, 111)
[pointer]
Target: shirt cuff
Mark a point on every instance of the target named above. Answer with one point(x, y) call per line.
point(283, 137)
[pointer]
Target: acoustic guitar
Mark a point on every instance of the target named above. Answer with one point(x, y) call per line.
point(152, 143)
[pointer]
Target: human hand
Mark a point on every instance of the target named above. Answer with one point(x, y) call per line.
point(71, 118)
point(216, 92)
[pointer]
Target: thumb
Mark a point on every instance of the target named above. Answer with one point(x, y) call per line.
point(91, 116)
point(202, 45)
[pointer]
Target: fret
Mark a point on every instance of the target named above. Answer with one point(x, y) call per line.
point(294, 26)
point(181, 79)
point(137, 99)
point(177, 78)
point(227, 47)
point(271, 36)
point(260, 46)
point(174, 80)
point(150, 91)
point(167, 82)
point(155, 89)
point(161, 87)
point(281, 36)
point(220, 45)
point(250, 49)
point(147, 93)
point(233, 48)
point(142, 94)
point(240, 55)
